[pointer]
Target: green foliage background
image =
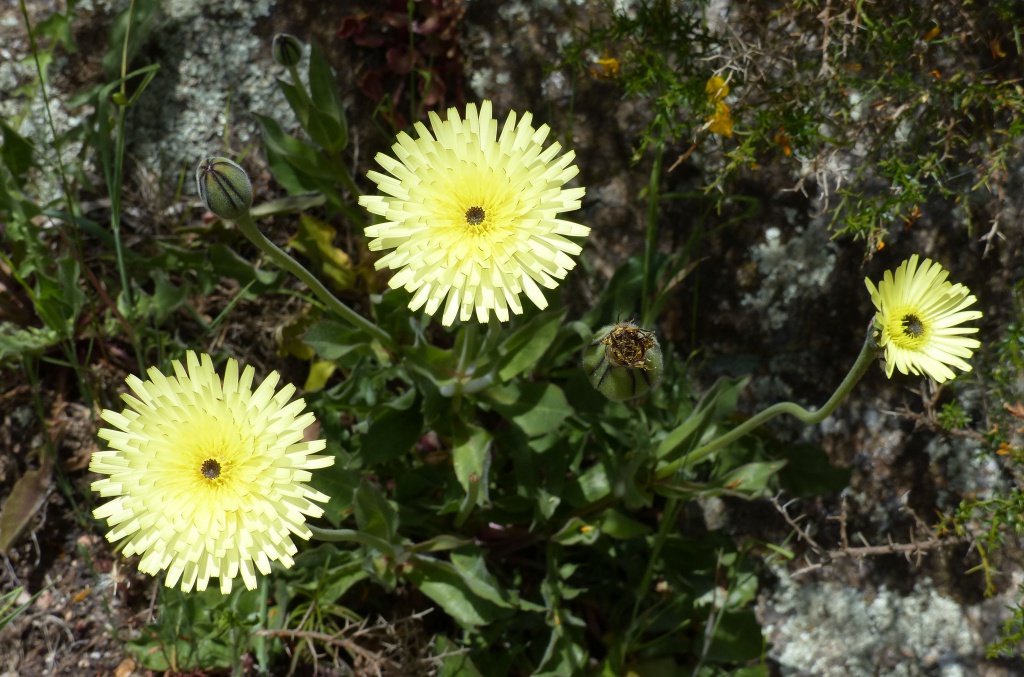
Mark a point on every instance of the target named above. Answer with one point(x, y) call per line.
point(479, 474)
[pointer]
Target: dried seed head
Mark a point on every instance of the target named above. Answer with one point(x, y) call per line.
point(623, 361)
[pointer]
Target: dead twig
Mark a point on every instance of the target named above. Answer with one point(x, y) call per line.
point(914, 549)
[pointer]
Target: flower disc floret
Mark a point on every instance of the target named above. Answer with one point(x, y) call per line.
point(208, 476)
point(472, 216)
point(919, 320)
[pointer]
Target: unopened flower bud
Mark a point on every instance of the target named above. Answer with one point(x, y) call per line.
point(623, 361)
point(224, 187)
point(287, 50)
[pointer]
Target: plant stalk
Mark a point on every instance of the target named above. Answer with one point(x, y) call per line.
point(284, 260)
point(868, 354)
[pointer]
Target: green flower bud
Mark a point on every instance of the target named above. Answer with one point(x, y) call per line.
point(224, 187)
point(623, 361)
point(287, 50)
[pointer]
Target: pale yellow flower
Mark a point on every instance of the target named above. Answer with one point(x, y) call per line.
point(919, 320)
point(472, 216)
point(208, 476)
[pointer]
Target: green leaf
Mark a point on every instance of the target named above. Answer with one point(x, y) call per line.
point(315, 239)
point(537, 408)
point(454, 663)
point(57, 27)
point(717, 403)
point(618, 525)
point(17, 342)
point(469, 562)
point(563, 657)
point(297, 153)
point(471, 457)
point(59, 301)
point(527, 345)
point(393, 429)
point(328, 110)
point(325, 131)
point(442, 582)
point(374, 513)
point(341, 485)
point(810, 473)
point(576, 531)
point(591, 486)
point(166, 297)
point(751, 479)
point(746, 481)
point(299, 103)
point(737, 638)
point(333, 340)
point(16, 153)
point(334, 582)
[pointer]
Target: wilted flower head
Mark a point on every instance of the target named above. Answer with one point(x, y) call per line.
point(918, 320)
point(208, 477)
point(472, 216)
point(623, 361)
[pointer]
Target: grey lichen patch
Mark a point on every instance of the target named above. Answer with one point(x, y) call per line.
point(826, 629)
point(792, 269)
point(215, 75)
point(967, 471)
point(29, 118)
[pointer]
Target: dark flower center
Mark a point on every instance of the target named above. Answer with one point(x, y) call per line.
point(912, 326)
point(475, 216)
point(210, 469)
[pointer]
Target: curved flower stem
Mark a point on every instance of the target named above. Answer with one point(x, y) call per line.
point(281, 258)
point(355, 536)
point(867, 356)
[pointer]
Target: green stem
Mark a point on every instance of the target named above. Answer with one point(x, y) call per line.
point(282, 259)
point(651, 238)
point(868, 354)
point(355, 536)
point(293, 70)
point(262, 652)
point(346, 180)
point(665, 528)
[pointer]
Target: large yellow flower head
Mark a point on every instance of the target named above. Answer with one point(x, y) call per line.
point(919, 320)
point(209, 477)
point(472, 216)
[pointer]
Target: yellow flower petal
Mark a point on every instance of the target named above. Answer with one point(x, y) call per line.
point(918, 320)
point(471, 215)
point(721, 121)
point(716, 88)
point(208, 477)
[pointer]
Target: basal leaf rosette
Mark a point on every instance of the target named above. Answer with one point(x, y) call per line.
point(920, 320)
point(208, 476)
point(472, 216)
